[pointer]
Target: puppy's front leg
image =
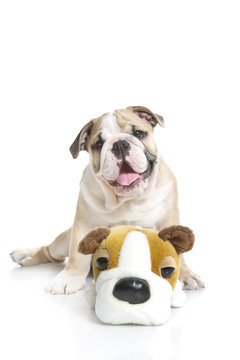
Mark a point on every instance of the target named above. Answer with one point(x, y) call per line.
point(73, 277)
point(190, 280)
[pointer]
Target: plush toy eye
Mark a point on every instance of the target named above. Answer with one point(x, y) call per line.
point(139, 134)
point(166, 272)
point(102, 263)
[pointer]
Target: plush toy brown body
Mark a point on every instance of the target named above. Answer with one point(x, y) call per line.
point(136, 272)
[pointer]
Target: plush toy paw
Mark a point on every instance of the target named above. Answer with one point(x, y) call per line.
point(64, 283)
point(178, 297)
point(91, 294)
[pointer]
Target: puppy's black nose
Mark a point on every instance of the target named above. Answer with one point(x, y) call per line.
point(132, 290)
point(121, 148)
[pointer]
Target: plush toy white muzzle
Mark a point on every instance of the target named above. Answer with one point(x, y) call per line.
point(136, 273)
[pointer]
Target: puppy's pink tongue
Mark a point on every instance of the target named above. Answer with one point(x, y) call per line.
point(127, 179)
point(127, 176)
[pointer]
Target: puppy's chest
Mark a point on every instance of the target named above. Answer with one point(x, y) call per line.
point(138, 217)
point(145, 213)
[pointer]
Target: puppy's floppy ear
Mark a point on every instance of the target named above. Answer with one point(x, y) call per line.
point(80, 143)
point(145, 113)
point(92, 240)
point(181, 237)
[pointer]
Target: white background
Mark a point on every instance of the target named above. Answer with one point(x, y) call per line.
point(65, 62)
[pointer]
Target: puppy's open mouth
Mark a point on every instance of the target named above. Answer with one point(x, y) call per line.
point(127, 176)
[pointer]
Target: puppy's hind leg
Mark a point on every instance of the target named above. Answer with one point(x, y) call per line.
point(55, 252)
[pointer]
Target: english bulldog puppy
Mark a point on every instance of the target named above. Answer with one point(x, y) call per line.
point(126, 182)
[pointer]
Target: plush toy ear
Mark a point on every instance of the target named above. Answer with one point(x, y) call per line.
point(80, 143)
point(181, 237)
point(145, 113)
point(92, 240)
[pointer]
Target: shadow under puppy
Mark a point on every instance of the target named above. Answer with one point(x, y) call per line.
point(136, 272)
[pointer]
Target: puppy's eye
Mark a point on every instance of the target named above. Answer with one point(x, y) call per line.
point(140, 134)
point(98, 145)
point(102, 263)
point(166, 272)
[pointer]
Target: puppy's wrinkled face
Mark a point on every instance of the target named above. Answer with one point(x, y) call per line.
point(122, 149)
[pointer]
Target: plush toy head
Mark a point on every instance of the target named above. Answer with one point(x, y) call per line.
point(136, 272)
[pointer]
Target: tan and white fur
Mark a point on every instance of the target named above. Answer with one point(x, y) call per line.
point(145, 193)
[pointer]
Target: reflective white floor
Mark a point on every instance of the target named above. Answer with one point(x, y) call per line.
point(41, 326)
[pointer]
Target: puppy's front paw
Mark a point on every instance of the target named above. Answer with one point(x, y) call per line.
point(64, 283)
point(192, 282)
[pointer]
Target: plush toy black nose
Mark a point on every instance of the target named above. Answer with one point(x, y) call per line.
point(132, 290)
point(121, 148)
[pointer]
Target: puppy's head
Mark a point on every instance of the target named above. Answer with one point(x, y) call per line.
point(121, 147)
point(136, 271)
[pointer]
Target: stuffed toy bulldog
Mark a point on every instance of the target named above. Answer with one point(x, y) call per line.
point(136, 272)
